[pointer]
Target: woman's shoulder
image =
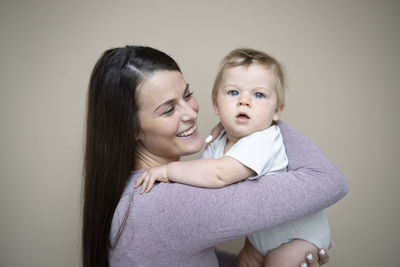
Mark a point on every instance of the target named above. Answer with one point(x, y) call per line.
point(136, 226)
point(127, 206)
point(139, 205)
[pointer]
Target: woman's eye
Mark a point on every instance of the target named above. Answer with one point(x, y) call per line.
point(169, 110)
point(188, 96)
point(233, 92)
point(259, 95)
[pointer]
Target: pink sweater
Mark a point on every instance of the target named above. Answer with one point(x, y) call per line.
point(179, 225)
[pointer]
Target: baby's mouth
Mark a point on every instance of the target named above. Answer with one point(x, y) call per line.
point(188, 132)
point(243, 116)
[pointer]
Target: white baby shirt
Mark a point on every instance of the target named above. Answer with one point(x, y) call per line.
point(261, 151)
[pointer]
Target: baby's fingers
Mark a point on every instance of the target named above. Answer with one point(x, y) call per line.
point(145, 183)
point(139, 181)
point(150, 185)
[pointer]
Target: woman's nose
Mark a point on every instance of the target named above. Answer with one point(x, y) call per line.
point(244, 101)
point(190, 111)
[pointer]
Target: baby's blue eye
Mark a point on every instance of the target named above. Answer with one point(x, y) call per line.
point(233, 92)
point(259, 95)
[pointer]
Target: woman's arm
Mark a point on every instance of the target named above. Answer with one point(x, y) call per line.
point(195, 218)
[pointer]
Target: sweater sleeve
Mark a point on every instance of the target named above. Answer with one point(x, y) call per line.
point(191, 219)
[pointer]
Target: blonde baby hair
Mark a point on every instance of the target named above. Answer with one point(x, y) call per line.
point(246, 57)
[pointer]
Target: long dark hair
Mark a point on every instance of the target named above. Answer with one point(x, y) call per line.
point(112, 125)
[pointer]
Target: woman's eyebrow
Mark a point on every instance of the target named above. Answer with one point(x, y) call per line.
point(170, 101)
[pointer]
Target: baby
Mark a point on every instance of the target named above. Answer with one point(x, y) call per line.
point(248, 96)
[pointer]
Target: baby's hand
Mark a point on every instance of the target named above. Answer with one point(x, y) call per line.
point(148, 178)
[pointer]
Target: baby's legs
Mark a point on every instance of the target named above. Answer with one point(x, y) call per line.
point(249, 256)
point(290, 254)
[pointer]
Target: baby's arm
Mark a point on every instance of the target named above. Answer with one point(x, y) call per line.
point(210, 173)
point(257, 153)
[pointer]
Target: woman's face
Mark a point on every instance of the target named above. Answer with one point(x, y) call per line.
point(168, 116)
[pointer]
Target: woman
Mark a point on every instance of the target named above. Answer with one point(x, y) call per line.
point(141, 113)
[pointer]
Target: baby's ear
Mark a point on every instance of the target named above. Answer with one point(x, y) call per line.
point(278, 112)
point(216, 111)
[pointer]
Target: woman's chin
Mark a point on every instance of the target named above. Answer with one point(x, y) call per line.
point(194, 149)
point(192, 145)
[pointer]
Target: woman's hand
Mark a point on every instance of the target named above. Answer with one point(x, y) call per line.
point(249, 256)
point(214, 133)
point(323, 258)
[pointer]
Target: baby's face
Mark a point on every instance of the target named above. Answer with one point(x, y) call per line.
point(246, 100)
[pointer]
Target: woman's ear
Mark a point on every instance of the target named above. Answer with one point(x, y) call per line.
point(278, 112)
point(139, 135)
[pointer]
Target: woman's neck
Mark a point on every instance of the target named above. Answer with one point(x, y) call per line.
point(145, 159)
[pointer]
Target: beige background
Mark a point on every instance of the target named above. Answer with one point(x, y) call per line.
point(342, 64)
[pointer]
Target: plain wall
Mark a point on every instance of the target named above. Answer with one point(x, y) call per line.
point(342, 65)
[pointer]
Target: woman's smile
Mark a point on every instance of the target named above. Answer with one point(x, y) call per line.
point(189, 132)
